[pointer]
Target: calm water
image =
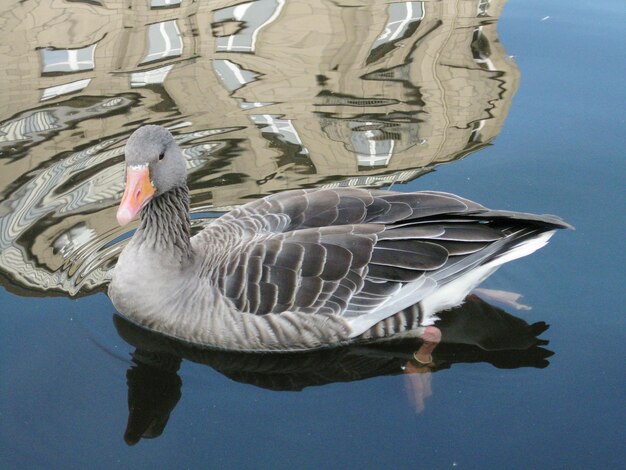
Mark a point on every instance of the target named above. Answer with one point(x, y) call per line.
point(518, 106)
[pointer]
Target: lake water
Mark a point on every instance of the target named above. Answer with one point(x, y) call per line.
point(519, 106)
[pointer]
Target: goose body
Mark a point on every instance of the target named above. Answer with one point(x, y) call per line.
point(303, 269)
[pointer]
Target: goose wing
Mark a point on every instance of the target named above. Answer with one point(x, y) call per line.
point(327, 270)
point(363, 255)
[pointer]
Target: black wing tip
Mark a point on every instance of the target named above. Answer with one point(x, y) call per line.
point(557, 222)
point(546, 220)
point(550, 221)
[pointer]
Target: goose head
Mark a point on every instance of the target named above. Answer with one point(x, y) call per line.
point(154, 165)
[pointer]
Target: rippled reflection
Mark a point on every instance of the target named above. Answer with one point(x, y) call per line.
point(474, 332)
point(263, 96)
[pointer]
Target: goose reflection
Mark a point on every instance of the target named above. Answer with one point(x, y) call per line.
point(474, 332)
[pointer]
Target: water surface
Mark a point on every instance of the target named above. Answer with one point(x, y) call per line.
point(517, 106)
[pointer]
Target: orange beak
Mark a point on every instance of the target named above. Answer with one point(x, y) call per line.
point(138, 192)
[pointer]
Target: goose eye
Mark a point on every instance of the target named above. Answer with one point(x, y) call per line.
point(161, 156)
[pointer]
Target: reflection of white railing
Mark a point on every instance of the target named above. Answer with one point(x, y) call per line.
point(23, 129)
point(378, 180)
point(37, 199)
point(150, 77)
point(37, 126)
point(59, 90)
point(163, 3)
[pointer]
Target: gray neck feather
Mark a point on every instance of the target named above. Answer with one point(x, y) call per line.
point(165, 224)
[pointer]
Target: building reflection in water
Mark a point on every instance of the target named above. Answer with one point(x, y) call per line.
point(263, 96)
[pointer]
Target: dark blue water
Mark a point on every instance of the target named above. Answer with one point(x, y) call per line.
point(64, 369)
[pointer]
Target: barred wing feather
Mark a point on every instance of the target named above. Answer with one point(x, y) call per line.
point(363, 255)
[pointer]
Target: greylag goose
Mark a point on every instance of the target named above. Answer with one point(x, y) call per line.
point(303, 269)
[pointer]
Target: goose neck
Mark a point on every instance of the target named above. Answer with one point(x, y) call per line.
point(165, 224)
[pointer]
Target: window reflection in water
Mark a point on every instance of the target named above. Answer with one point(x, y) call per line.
point(68, 60)
point(253, 16)
point(163, 41)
